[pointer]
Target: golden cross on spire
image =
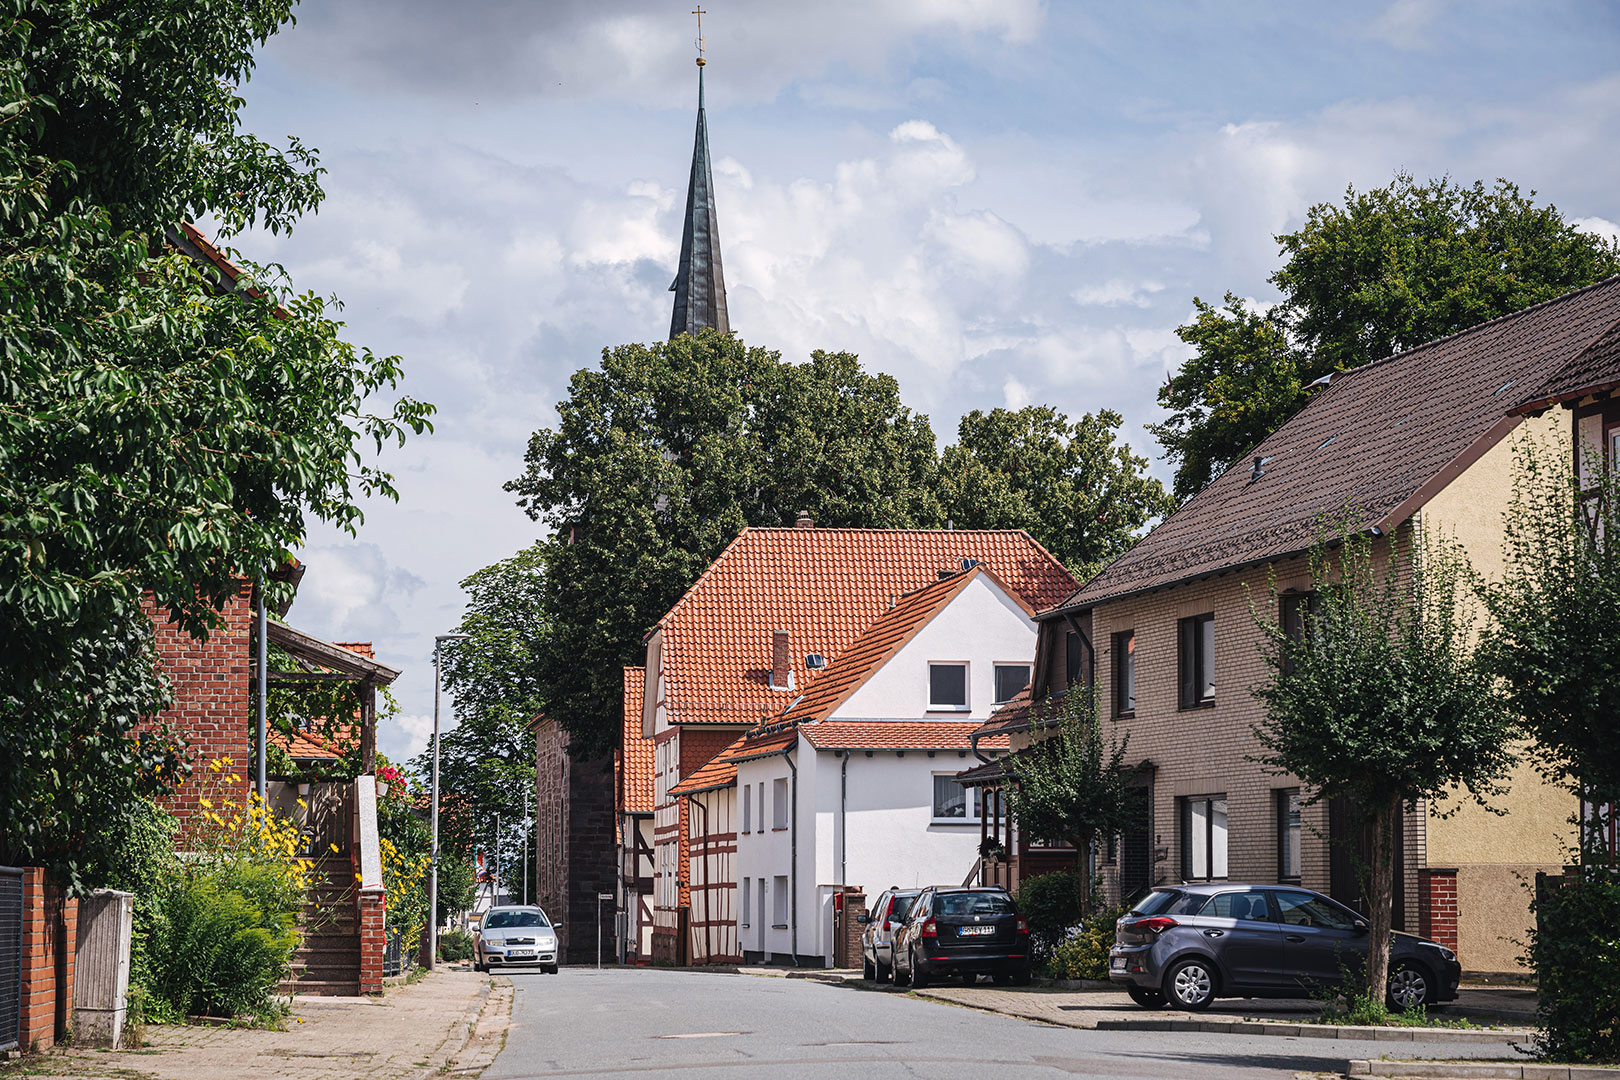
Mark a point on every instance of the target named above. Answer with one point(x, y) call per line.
point(699, 41)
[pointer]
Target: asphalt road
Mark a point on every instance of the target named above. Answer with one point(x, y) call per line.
point(652, 1023)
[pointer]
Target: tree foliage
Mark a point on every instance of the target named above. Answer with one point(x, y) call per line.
point(1387, 270)
point(1554, 641)
point(1073, 485)
point(1072, 784)
point(486, 761)
point(1383, 699)
point(163, 430)
point(661, 456)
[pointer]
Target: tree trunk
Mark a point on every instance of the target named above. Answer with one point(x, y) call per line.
point(1381, 897)
point(1082, 849)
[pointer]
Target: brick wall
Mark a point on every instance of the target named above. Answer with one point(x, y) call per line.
point(574, 839)
point(372, 940)
point(213, 705)
point(49, 941)
point(1437, 889)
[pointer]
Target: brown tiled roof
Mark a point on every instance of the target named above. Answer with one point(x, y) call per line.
point(1015, 714)
point(825, 587)
point(991, 772)
point(636, 754)
point(1595, 369)
point(1374, 444)
point(716, 773)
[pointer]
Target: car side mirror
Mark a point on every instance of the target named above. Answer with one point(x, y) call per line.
point(1361, 926)
point(863, 919)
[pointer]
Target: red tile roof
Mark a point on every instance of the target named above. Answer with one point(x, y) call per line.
point(636, 756)
point(825, 587)
point(1378, 440)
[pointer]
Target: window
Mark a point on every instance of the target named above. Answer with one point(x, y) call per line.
point(1073, 658)
point(779, 803)
point(1197, 661)
point(1249, 905)
point(1288, 833)
point(951, 800)
point(1125, 673)
point(1010, 678)
point(779, 908)
point(947, 687)
point(747, 895)
point(748, 805)
point(1306, 909)
point(1203, 838)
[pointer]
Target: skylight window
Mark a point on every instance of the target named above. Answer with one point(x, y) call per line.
point(1324, 442)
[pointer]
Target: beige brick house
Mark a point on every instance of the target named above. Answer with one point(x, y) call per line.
point(1421, 442)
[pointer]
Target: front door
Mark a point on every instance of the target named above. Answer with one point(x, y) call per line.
point(1322, 945)
point(1245, 938)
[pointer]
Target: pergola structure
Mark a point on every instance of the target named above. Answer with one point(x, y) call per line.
point(321, 661)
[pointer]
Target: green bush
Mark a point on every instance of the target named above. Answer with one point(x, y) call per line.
point(1575, 950)
point(1052, 904)
point(227, 941)
point(141, 862)
point(1085, 954)
point(454, 945)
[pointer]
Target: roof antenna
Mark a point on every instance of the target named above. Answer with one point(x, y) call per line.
point(698, 41)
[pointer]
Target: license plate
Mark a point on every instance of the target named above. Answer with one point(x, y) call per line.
point(520, 952)
point(976, 931)
point(1117, 963)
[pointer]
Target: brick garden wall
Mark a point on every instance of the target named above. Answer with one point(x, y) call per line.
point(372, 940)
point(49, 940)
point(1437, 889)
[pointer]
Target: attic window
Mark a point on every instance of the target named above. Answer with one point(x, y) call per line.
point(948, 687)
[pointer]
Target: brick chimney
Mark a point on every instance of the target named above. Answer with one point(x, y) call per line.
point(804, 521)
point(781, 665)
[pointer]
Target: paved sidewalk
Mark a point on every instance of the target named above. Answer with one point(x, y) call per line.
point(440, 1025)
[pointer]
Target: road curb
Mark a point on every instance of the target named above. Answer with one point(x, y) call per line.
point(1327, 1031)
point(1480, 1070)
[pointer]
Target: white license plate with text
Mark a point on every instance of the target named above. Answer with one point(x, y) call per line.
point(976, 931)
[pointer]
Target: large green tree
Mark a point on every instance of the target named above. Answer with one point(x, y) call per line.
point(661, 455)
point(163, 429)
point(486, 761)
point(1386, 270)
point(1073, 485)
point(1381, 698)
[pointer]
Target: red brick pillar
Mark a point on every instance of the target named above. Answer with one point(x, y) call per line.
point(854, 908)
point(49, 937)
point(1437, 918)
point(373, 941)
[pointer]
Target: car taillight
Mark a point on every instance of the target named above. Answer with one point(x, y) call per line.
point(1158, 924)
point(929, 930)
point(1023, 925)
point(887, 926)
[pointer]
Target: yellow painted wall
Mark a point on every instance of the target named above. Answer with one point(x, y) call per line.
point(1496, 856)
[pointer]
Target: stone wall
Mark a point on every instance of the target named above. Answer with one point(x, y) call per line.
point(575, 858)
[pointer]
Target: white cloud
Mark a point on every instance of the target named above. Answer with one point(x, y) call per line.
point(1116, 292)
point(1406, 24)
point(1598, 227)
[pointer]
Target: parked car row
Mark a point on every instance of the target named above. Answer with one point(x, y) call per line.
point(1182, 945)
point(919, 936)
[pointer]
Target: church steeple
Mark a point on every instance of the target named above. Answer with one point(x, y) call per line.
point(700, 284)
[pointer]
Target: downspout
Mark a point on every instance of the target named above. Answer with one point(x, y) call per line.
point(843, 821)
point(260, 784)
point(793, 856)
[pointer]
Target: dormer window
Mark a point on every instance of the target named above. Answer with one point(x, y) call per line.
point(1010, 678)
point(948, 687)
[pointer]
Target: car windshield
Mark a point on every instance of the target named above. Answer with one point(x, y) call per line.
point(506, 920)
point(902, 905)
point(973, 903)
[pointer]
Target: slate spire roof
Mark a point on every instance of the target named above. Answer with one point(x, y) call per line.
point(700, 284)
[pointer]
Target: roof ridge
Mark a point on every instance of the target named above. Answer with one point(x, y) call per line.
point(1465, 331)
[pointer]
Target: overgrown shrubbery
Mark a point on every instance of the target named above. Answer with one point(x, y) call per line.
point(1575, 950)
point(1085, 954)
point(1053, 904)
point(454, 945)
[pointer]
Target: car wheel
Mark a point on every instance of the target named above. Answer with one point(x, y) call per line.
point(552, 970)
point(1148, 999)
point(885, 972)
point(480, 967)
point(868, 970)
point(1022, 976)
point(1002, 978)
point(919, 977)
point(1190, 985)
point(1409, 986)
point(900, 980)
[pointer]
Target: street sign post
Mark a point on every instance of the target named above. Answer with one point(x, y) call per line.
point(601, 896)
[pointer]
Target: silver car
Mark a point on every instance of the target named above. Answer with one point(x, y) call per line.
point(516, 937)
point(877, 940)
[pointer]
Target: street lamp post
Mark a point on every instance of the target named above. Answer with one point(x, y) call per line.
point(433, 874)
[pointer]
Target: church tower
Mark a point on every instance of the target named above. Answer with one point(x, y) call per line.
point(700, 284)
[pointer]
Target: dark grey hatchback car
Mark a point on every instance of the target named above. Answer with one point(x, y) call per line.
point(1186, 945)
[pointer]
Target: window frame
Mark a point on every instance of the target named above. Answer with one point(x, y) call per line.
point(779, 900)
point(972, 802)
point(780, 797)
point(997, 668)
point(1290, 818)
point(747, 900)
point(1124, 648)
point(967, 687)
point(1195, 667)
point(748, 802)
point(1185, 823)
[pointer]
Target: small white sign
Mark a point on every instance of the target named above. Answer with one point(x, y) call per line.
point(604, 896)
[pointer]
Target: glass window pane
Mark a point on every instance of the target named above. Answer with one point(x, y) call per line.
point(1304, 909)
point(1206, 656)
point(1010, 678)
point(1249, 905)
point(949, 800)
point(947, 684)
point(1198, 838)
point(1217, 838)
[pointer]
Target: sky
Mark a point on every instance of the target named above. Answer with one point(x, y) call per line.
point(999, 202)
